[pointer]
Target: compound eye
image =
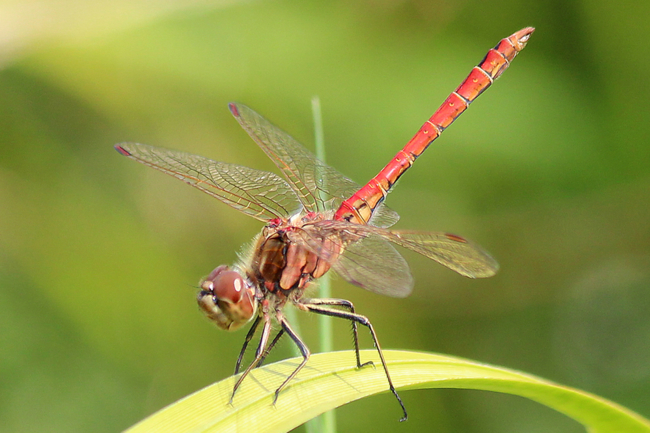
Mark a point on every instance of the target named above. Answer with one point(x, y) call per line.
point(224, 285)
point(208, 283)
point(226, 299)
point(229, 286)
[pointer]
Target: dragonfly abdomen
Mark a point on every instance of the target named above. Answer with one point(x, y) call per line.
point(361, 205)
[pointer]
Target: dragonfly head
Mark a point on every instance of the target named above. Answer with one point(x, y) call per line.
point(227, 299)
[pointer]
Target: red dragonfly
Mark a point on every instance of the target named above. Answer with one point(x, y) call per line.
point(317, 219)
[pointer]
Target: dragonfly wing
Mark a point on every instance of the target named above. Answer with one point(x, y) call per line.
point(452, 251)
point(260, 194)
point(383, 217)
point(361, 258)
point(375, 265)
point(310, 178)
point(318, 186)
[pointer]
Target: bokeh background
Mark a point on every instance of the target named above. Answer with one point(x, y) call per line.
point(100, 256)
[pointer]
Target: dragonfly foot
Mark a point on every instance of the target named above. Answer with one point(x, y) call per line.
point(365, 364)
point(232, 397)
point(399, 400)
point(275, 398)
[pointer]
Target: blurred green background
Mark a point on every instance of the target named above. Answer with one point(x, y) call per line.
point(99, 256)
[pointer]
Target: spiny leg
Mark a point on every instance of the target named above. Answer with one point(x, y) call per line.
point(270, 348)
point(343, 303)
point(264, 340)
point(303, 349)
point(363, 320)
point(249, 337)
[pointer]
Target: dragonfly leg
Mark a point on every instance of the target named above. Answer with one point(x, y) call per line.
point(249, 337)
point(270, 348)
point(303, 349)
point(347, 305)
point(362, 320)
point(264, 340)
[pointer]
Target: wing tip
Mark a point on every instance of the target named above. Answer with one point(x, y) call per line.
point(121, 149)
point(402, 294)
point(489, 271)
point(234, 109)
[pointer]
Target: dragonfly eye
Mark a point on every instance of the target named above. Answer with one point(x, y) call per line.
point(227, 299)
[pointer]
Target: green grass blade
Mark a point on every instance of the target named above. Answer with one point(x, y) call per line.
point(330, 380)
point(326, 423)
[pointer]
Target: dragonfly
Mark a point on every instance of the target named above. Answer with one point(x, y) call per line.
point(316, 219)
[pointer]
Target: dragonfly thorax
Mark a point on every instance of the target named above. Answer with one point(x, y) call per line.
point(227, 298)
point(282, 262)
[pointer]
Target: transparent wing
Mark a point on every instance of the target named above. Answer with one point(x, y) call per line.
point(452, 251)
point(318, 186)
point(383, 216)
point(260, 194)
point(375, 265)
point(365, 260)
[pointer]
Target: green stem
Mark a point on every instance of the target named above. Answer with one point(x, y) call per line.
point(325, 287)
point(327, 421)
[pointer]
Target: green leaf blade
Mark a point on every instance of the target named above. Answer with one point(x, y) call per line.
point(331, 380)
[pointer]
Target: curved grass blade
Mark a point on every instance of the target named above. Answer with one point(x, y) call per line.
point(330, 380)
